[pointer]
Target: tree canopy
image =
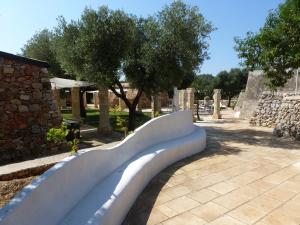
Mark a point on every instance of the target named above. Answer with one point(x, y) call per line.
point(204, 86)
point(41, 47)
point(153, 54)
point(231, 82)
point(276, 47)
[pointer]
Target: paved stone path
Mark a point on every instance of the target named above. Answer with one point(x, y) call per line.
point(245, 176)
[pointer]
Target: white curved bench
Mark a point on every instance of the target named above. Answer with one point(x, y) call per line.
point(99, 187)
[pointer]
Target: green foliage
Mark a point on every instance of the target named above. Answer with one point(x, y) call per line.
point(156, 114)
point(74, 146)
point(41, 46)
point(115, 109)
point(231, 82)
point(276, 47)
point(57, 135)
point(95, 46)
point(204, 86)
point(121, 122)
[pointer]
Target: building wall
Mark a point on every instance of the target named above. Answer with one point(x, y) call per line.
point(27, 107)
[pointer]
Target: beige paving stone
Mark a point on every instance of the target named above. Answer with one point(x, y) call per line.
point(177, 191)
point(248, 191)
point(291, 186)
point(184, 219)
point(281, 175)
point(203, 195)
point(224, 187)
point(279, 217)
point(166, 210)
point(209, 211)
point(231, 200)
point(196, 184)
point(261, 186)
point(182, 204)
point(280, 193)
point(247, 214)
point(156, 217)
point(194, 174)
point(264, 204)
point(226, 220)
point(162, 198)
point(178, 179)
point(244, 179)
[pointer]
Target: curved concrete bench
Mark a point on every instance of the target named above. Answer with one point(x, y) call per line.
point(99, 186)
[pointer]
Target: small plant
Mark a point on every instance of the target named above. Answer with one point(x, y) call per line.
point(74, 146)
point(57, 135)
point(156, 114)
point(123, 124)
point(115, 109)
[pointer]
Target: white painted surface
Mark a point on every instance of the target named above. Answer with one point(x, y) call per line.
point(99, 187)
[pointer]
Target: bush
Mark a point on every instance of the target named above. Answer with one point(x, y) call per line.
point(57, 135)
point(74, 146)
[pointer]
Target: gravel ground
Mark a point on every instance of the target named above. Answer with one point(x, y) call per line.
point(8, 189)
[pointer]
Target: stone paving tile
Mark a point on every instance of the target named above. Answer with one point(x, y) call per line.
point(264, 204)
point(247, 214)
point(209, 211)
point(224, 187)
point(226, 220)
point(203, 195)
point(184, 219)
point(231, 200)
point(177, 191)
point(182, 204)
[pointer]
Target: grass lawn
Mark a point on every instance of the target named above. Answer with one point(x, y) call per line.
point(92, 117)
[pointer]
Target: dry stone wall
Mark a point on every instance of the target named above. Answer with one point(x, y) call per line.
point(267, 110)
point(288, 119)
point(281, 111)
point(27, 107)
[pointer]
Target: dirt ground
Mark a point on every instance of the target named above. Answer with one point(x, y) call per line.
point(8, 189)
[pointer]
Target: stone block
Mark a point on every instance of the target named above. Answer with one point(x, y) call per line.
point(25, 97)
point(8, 70)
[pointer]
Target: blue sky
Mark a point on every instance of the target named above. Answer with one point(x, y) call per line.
point(20, 19)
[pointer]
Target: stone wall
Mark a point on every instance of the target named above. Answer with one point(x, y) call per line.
point(27, 107)
point(288, 119)
point(255, 87)
point(267, 110)
point(281, 111)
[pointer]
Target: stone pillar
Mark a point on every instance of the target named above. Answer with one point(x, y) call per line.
point(182, 99)
point(122, 104)
point(84, 100)
point(96, 100)
point(75, 103)
point(190, 98)
point(155, 105)
point(217, 99)
point(175, 99)
point(104, 126)
point(56, 93)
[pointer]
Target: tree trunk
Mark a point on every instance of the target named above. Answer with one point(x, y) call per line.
point(131, 118)
point(229, 102)
point(131, 106)
point(104, 126)
point(197, 110)
point(82, 108)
